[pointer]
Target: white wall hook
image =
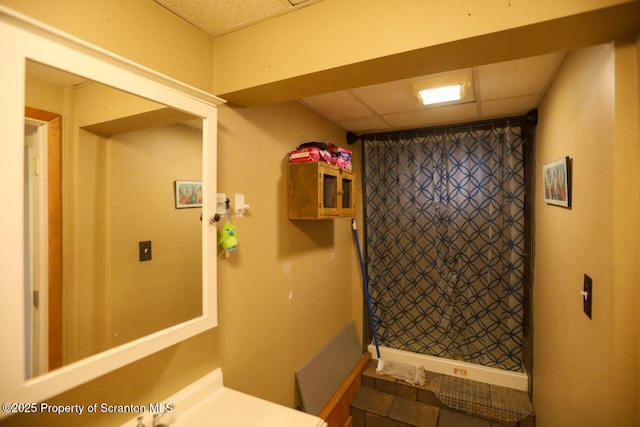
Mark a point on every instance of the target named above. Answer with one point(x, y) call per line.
point(221, 204)
point(240, 205)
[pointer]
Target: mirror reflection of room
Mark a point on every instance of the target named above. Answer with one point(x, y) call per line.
point(98, 189)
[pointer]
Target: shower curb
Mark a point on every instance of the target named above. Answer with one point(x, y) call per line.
point(384, 400)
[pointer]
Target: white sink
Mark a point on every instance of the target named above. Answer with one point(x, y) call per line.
point(231, 408)
point(207, 402)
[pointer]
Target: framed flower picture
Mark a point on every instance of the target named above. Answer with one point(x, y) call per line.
point(188, 194)
point(557, 183)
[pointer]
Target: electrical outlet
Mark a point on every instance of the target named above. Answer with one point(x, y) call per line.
point(587, 295)
point(145, 250)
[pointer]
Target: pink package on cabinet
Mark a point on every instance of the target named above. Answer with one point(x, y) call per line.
point(342, 163)
point(309, 154)
point(341, 157)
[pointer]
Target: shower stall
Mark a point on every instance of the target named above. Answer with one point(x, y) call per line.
point(448, 247)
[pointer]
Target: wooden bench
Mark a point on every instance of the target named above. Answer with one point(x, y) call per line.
point(337, 412)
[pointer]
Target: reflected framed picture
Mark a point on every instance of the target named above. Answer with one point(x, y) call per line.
point(188, 194)
point(557, 183)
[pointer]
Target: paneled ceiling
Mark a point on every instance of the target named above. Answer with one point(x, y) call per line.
point(218, 17)
point(496, 90)
point(504, 89)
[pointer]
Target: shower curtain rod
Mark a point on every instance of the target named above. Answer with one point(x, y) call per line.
point(531, 119)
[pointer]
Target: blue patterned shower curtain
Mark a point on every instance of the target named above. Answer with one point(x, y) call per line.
point(444, 218)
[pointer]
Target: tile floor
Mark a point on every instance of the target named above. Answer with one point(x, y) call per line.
point(386, 402)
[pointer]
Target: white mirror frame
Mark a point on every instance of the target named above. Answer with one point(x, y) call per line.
point(25, 39)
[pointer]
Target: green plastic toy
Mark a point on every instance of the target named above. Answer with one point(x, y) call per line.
point(228, 240)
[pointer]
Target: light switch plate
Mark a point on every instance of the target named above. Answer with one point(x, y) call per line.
point(145, 250)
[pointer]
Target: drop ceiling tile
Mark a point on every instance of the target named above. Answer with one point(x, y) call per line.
point(220, 16)
point(367, 124)
point(433, 116)
point(388, 98)
point(509, 107)
point(400, 96)
point(517, 78)
point(339, 106)
point(504, 89)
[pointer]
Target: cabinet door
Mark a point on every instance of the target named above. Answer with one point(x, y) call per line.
point(319, 190)
point(329, 194)
point(347, 190)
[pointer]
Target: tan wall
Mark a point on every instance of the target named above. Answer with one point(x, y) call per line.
point(333, 44)
point(149, 296)
point(125, 195)
point(271, 322)
point(282, 294)
point(113, 104)
point(626, 376)
point(44, 96)
point(85, 275)
point(141, 31)
point(578, 363)
point(252, 149)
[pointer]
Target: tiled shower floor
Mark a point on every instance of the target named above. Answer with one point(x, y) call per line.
point(386, 402)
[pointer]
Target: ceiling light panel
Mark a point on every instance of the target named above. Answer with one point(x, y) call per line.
point(400, 96)
point(454, 86)
point(441, 94)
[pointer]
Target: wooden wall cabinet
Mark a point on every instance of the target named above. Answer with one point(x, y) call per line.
point(318, 190)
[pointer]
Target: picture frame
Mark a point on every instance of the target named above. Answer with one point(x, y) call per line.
point(188, 194)
point(557, 183)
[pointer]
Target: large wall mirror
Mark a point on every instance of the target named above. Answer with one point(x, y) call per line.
point(109, 168)
point(122, 156)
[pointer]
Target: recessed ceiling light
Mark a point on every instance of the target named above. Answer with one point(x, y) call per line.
point(440, 94)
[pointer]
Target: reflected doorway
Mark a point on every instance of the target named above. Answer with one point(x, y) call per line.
point(43, 241)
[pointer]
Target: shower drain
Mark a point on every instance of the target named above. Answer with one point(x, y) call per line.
point(494, 403)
